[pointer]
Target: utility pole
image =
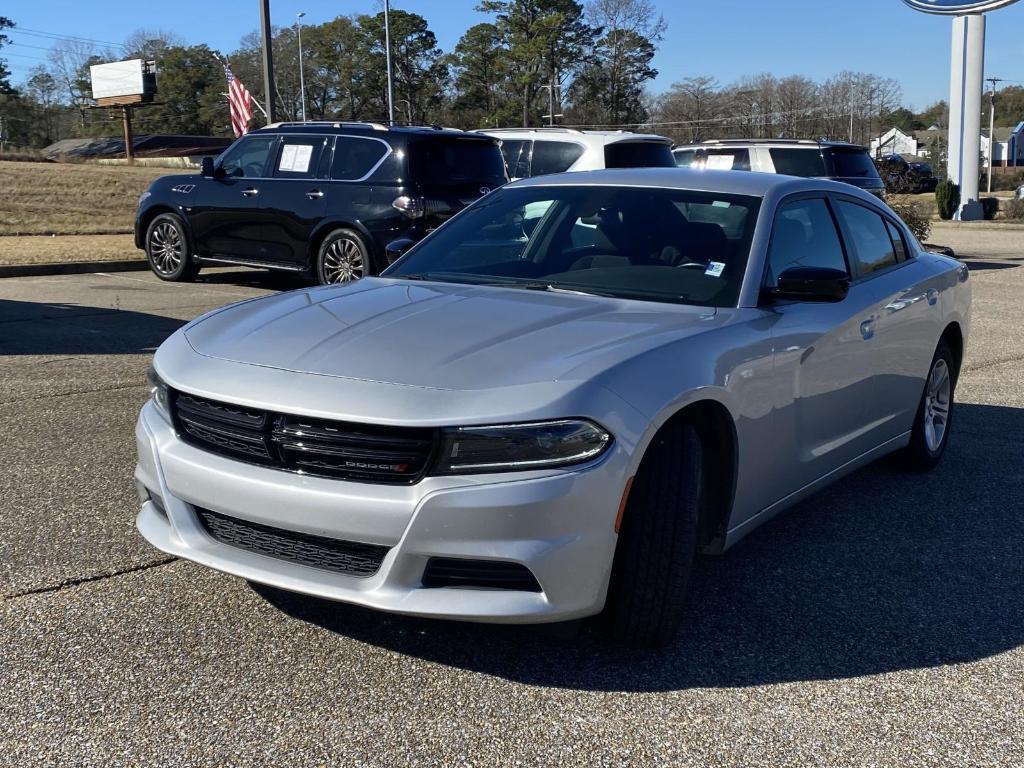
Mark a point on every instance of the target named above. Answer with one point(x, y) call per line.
point(268, 61)
point(302, 76)
point(992, 127)
point(387, 59)
point(129, 139)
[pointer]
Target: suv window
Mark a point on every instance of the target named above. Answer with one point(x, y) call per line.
point(870, 235)
point(728, 159)
point(517, 157)
point(853, 163)
point(804, 235)
point(685, 157)
point(791, 161)
point(447, 161)
point(354, 157)
point(249, 157)
point(299, 157)
point(554, 156)
point(638, 154)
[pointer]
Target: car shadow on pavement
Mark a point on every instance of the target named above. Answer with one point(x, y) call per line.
point(881, 572)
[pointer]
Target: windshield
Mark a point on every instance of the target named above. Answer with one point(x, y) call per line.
point(451, 161)
point(650, 244)
point(638, 154)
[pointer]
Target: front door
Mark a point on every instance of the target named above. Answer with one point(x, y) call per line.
point(226, 218)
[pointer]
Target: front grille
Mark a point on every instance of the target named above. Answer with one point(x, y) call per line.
point(359, 452)
point(348, 557)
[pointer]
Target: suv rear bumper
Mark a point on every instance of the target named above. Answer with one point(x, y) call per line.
point(559, 525)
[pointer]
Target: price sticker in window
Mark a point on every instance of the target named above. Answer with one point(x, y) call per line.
point(715, 269)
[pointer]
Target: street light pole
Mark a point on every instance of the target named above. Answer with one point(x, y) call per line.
point(302, 76)
point(387, 58)
point(268, 61)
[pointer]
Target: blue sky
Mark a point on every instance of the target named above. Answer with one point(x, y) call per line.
point(723, 38)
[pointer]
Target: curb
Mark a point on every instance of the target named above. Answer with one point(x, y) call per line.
point(72, 268)
point(988, 226)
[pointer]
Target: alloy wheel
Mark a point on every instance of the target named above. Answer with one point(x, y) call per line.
point(166, 248)
point(937, 402)
point(343, 262)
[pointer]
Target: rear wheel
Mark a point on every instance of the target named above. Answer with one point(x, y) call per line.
point(930, 434)
point(657, 541)
point(167, 249)
point(342, 258)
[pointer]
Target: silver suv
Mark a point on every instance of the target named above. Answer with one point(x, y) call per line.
point(837, 160)
point(540, 151)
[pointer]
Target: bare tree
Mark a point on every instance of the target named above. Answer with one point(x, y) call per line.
point(694, 104)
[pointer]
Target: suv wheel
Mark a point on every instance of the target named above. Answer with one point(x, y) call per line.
point(343, 257)
point(657, 541)
point(167, 249)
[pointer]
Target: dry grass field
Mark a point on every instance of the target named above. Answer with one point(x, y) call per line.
point(70, 199)
point(60, 249)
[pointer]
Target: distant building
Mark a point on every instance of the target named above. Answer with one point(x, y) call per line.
point(1008, 144)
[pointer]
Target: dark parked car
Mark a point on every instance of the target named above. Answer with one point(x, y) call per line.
point(808, 158)
point(334, 200)
point(902, 176)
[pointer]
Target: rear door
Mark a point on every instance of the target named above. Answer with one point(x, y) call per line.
point(823, 352)
point(225, 220)
point(295, 199)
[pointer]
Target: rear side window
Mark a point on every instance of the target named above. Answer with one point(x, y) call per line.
point(728, 160)
point(249, 157)
point(804, 235)
point(852, 164)
point(870, 235)
point(554, 156)
point(445, 161)
point(798, 162)
point(517, 157)
point(355, 158)
point(299, 157)
point(638, 154)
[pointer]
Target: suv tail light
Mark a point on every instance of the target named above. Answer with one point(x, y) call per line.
point(413, 207)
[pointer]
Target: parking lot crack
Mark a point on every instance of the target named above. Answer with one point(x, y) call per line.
point(76, 581)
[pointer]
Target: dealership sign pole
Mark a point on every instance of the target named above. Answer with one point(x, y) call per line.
point(966, 83)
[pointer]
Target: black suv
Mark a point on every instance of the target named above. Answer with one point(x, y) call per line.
point(335, 200)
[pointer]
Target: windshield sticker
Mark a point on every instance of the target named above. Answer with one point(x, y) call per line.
point(715, 269)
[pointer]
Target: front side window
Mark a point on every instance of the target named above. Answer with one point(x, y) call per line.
point(804, 235)
point(872, 244)
point(685, 157)
point(512, 151)
point(354, 157)
point(897, 241)
point(663, 245)
point(249, 157)
point(554, 156)
point(807, 163)
point(299, 157)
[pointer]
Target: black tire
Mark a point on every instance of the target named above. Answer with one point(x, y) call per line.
point(168, 250)
point(924, 452)
point(342, 258)
point(657, 541)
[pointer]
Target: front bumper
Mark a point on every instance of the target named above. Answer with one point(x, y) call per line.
point(559, 524)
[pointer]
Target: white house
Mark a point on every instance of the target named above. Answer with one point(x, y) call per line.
point(1008, 144)
point(894, 142)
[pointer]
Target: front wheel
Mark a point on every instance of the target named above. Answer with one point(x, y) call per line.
point(657, 541)
point(930, 434)
point(342, 258)
point(167, 249)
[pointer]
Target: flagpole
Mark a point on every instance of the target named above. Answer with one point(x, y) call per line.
point(387, 57)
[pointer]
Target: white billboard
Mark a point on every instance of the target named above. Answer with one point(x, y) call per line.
point(119, 78)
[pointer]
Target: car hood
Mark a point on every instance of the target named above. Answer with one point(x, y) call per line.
point(441, 335)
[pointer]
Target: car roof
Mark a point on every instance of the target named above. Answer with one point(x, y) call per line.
point(725, 182)
point(772, 142)
point(571, 134)
point(369, 128)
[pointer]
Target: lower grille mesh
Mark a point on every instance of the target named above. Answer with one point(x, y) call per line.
point(348, 557)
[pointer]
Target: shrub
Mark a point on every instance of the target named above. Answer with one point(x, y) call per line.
point(989, 207)
point(913, 216)
point(1014, 209)
point(947, 195)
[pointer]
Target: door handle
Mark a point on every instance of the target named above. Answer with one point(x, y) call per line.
point(314, 194)
point(251, 192)
point(867, 328)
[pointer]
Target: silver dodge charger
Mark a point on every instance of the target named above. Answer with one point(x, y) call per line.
point(545, 409)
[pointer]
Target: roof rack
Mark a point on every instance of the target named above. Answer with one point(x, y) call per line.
point(332, 123)
point(543, 129)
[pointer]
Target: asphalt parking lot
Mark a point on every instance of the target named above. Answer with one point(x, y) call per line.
point(880, 623)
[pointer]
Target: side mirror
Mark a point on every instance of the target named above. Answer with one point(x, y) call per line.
point(397, 248)
point(812, 284)
point(206, 168)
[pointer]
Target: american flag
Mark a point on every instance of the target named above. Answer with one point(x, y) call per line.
point(240, 101)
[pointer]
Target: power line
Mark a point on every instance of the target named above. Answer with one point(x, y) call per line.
point(59, 36)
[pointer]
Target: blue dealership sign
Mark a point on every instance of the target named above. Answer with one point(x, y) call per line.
point(957, 7)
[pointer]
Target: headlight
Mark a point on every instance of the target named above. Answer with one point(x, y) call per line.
point(158, 391)
point(511, 447)
point(142, 198)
